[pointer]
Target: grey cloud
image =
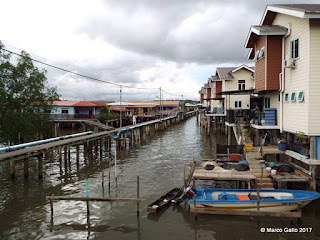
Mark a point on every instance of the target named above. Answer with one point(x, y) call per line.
point(149, 27)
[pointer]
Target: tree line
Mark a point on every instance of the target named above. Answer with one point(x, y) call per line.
point(26, 100)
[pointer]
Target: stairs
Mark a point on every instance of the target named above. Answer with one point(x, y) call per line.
point(253, 157)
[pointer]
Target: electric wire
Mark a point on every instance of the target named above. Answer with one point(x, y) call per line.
point(78, 74)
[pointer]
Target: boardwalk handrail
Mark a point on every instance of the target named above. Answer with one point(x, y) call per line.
point(30, 144)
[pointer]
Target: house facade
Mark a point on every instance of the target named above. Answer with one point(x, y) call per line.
point(228, 89)
point(75, 109)
point(285, 48)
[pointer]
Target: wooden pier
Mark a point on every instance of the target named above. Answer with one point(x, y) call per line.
point(97, 142)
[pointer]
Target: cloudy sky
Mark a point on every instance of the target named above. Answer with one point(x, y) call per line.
point(172, 44)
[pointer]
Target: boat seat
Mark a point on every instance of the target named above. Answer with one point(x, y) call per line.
point(243, 197)
point(254, 197)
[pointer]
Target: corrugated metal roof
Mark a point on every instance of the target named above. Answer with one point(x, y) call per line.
point(310, 8)
point(225, 73)
point(164, 102)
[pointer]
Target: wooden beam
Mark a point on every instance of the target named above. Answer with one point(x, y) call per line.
point(55, 198)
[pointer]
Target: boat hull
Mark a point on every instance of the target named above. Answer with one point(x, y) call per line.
point(164, 200)
point(270, 200)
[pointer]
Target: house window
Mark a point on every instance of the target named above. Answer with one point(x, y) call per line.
point(293, 97)
point(286, 97)
point(301, 96)
point(238, 104)
point(267, 102)
point(261, 53)
point(65, 110)
point(256, 57)
point(241, 84)
point(294, 45)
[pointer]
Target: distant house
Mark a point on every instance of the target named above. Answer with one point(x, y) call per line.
point(75, 109)
point(229, 88)
point(285, 48)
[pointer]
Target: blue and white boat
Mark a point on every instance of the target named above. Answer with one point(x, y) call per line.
point(271, 200)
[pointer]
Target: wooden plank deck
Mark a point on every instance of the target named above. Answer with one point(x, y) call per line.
point(253, 157)
point(218, 173)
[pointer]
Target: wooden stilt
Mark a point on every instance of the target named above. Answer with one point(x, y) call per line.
point(26, 167)
point(138, 195)
point(40, 165)
point(78, 156)
point(12, 169)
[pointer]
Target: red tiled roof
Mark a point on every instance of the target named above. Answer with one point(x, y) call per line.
point(77, 103)
point(88, 104)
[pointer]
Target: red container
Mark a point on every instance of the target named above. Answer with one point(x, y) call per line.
point(234, 157)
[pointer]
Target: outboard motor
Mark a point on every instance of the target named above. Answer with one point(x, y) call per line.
point(189, 192)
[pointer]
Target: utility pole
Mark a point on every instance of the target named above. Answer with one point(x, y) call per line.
point(160, 106)
point(120, 106)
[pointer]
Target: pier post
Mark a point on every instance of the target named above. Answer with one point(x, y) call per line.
point(69, 158)
point(101, 148)
point(78, 156)
point(65, 153)
point(208, 125)
point(109, 143)
point(40, 165)
point(138, 194)
point(26, 167)
point(12, 169)
point(229, 135)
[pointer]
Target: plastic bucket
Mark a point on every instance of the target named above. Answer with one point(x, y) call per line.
point(273, 172)
point(282, 146)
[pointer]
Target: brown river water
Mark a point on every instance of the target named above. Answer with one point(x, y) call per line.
point(158, 161)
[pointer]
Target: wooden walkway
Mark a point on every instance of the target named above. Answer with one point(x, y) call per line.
point(36, 150)
point(253, 157)
point(88, 122)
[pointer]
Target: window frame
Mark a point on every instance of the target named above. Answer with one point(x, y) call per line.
point(294, 48)
point(237, 104)
point(261, 53)
point(241, 85)
point(64, 110)
point(302, 97)
point(294, 96)
point(267, 101)
point(286, 97)
point(256, 56)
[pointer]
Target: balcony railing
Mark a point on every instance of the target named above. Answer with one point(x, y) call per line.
point(267, 117)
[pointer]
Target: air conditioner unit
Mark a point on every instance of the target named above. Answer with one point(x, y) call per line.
point(289, 62)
